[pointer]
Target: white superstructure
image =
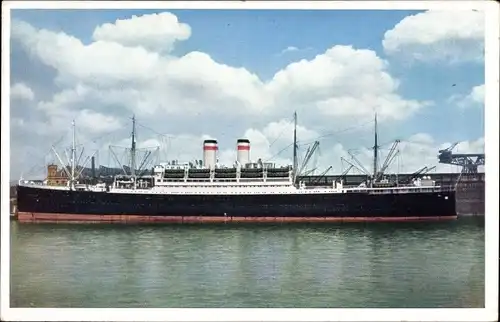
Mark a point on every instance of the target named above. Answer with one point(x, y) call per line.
point(221, 187)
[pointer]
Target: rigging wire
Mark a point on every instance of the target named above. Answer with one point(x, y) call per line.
point(282, 131)
point(99, 137)
point(79, 143)
point(154, 131)
point(281, 151)
point(321, 136)
point(339, 131)
point(164, 140)
point(36, 165)
point(166, 136)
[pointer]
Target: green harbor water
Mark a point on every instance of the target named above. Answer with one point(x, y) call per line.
point(409, 265)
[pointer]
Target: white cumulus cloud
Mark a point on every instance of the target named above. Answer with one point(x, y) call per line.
point(123, 72)
point(446, 36)
point(21, 91)
point(100, 63)
point(343, 81)
point(289, 49)
point(157, 32)
point(474, 98)
point(477, 94)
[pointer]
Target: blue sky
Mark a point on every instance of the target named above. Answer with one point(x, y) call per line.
point(255, 40)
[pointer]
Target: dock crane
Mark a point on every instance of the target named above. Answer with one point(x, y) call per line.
point(468, 161)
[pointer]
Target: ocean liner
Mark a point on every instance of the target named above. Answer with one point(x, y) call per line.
point(205, 191)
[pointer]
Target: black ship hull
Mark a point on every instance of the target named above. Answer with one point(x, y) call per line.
point(41, 204)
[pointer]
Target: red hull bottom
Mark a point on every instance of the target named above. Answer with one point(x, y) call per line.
point(54, 218)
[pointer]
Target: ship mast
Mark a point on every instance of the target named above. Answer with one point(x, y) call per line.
point(73, 156)
point(375, 151)
point(132, 152)
point(294, 146)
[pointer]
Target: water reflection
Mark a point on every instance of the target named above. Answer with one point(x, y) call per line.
point(365, 265)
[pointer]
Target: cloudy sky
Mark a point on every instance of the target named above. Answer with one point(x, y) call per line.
point(188, 75)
